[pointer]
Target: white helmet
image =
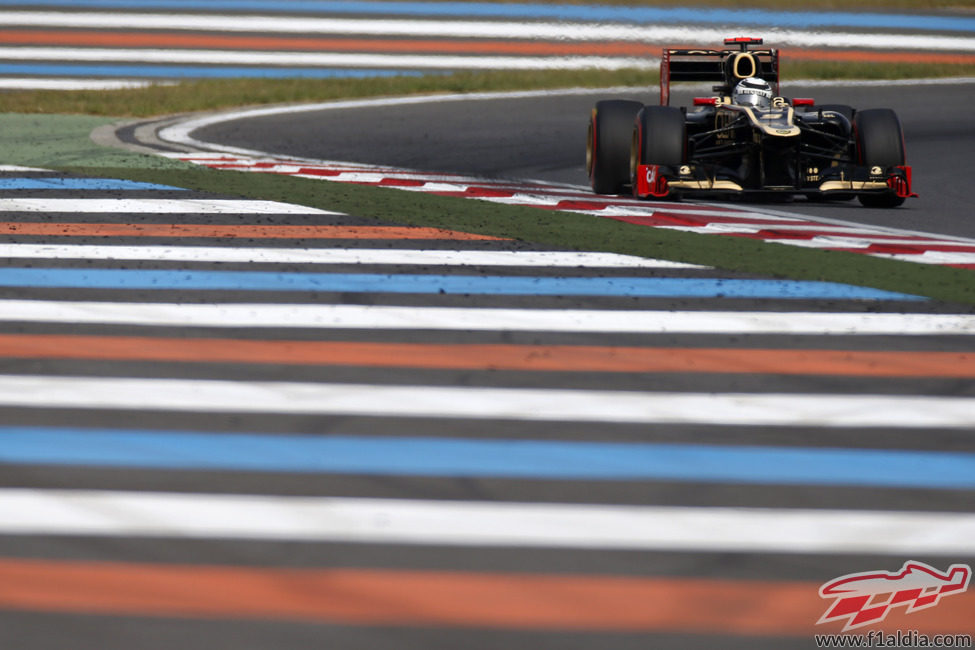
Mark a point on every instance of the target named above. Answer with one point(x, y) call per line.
point(753, 92)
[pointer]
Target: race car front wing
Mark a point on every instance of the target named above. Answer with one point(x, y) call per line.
point(662, 181)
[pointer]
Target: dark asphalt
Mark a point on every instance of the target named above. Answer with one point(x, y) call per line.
point(545, 138)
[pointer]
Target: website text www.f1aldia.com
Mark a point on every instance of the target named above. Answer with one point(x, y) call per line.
point(898, 639)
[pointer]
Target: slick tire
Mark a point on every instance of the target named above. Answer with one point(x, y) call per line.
point(608, 145)
point(880, 143)
point(659, 138)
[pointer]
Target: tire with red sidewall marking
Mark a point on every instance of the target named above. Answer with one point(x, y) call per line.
point(608, 145)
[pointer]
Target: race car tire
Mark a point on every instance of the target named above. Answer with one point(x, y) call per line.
point(880, 143)
point(608, 145)
point(659, 137)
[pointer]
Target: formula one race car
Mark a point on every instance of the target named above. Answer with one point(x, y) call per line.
point(746, 139)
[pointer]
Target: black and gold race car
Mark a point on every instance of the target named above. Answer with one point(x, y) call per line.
point(746, 139)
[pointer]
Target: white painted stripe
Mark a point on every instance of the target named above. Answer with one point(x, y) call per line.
point(265, 167)
point(531, 198)
point(557, 31)
point(437, 186)
point(154, 206)
point(548, 405)
point(481, 523)
point(335, 256)
point(626, 210)
point(451, 318)
point(18, 168)
point(351, 173)
point(830, 241)
point(49, 83)
point(933, 257)
point(457, 182)
point(722, 228)
point(322, 59)
point(894, 233)
point(357, 176)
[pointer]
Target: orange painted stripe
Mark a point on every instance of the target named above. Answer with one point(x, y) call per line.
point(445, 598)
point(480, 46)
point(560, 358)
point(208, 41)
point(232, 231)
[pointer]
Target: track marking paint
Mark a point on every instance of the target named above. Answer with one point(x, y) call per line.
point(186, 279)
point(154, 206)
point(561, 13)
point(439, 46)
point(232, 231)
point(453, 28)
point(54, 83)
point(84, 184)
point(541, 405)
point(576, 259)
point(483, 523)
point(486, 319)
point(434, 598)
point(456, 457)
point(315, 59)
point(167, 73)
point(458, 356)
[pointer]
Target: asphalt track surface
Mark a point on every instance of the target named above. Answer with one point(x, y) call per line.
point(544, 139)
point(195, 458)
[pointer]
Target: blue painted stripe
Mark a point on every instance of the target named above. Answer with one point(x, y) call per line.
point(449, 457)
point(94, 184)
point(447, 284)
point(560, 12)
point(195, 72)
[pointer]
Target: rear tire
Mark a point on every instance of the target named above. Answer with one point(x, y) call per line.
point(880, 143)
point(608, 145)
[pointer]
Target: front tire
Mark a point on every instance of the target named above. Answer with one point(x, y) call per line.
point(608, 145)
point(659, 138)
point(880, 143)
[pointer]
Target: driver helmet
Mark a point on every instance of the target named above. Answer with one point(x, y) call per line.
point(753, 92)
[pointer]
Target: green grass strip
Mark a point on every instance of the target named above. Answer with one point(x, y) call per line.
point(53, 141)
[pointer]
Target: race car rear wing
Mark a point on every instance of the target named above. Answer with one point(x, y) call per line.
point(725, 66)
